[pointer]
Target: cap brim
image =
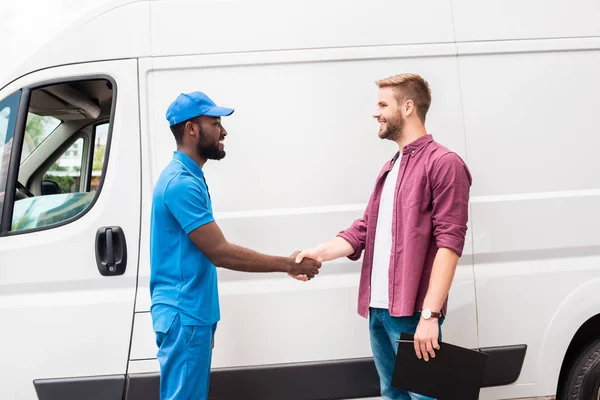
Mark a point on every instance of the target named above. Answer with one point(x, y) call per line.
point(219, 112)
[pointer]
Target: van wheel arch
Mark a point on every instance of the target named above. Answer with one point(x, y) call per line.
point(580, 371)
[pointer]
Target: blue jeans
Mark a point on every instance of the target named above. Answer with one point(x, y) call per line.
point(184, 355)
point(385, 330)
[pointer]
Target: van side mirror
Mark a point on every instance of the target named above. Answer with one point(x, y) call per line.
point(50, 187)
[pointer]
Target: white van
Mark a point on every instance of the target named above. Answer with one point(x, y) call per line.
point(83, 137)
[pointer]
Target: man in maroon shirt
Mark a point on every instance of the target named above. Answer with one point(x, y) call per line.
point(412, 232)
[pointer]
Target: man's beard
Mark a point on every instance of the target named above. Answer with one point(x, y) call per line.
point(209, 151)
point(394, 129)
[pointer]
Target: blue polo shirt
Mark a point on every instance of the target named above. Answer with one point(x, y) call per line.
point(182, 279)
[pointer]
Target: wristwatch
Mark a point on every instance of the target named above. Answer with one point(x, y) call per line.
point(427, 314)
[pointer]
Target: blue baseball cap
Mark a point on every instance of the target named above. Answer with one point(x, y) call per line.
point(195, 104)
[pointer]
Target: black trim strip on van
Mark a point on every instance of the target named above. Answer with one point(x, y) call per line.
point(342, 379)
point(14, 164)
point(339, 379)
point(504, 364)
point(108, 387)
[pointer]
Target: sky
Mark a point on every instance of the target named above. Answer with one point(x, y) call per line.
point(26, 25)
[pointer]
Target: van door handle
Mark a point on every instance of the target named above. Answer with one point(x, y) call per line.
point(111, 251)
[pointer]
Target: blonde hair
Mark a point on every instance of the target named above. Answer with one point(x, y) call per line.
point(410, 86)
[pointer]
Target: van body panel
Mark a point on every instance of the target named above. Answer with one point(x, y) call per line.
point(536, 186)
point(115, 30)
point(258, 204)
point(268, 25)
point(516, 20)
point(62, 318)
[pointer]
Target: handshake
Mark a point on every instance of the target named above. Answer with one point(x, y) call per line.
point(306, 264)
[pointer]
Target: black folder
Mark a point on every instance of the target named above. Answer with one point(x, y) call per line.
point(456, 373)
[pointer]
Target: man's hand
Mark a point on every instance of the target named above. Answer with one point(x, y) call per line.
point(330, 250)
point(302, 278)
point(426, 338)
point(315, 254)
point(306, 268)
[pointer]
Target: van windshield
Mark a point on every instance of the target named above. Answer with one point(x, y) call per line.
point(4, 116)
point(8, 118)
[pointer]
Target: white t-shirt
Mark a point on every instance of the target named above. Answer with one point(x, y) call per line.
point(383, 241)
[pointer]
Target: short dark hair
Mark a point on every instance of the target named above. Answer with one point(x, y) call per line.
point(178, 129)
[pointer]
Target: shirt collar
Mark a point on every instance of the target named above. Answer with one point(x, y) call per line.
point(417, 145)
point(413, 147)
point(189, 164)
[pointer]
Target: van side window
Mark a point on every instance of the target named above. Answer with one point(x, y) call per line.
point(100, 140)
point(63, 156)
point(36, 131)
point(64, 176)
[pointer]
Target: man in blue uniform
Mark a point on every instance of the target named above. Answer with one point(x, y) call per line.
point(186, 246)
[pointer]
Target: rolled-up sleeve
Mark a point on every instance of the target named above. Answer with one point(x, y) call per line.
point(451, 183)
point(356, 234)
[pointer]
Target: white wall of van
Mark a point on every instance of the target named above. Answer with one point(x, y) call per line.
point(514, 93)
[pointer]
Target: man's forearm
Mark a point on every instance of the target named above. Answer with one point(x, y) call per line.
point(238, 258)
point(334, 248)
point(442, 275)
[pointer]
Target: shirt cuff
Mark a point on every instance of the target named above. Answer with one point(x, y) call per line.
point(353, 242)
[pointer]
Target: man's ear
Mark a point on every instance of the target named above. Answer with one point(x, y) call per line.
point(408, 108)
point(189, 128)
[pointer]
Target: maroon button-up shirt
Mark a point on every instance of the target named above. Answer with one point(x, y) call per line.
point(430, 212)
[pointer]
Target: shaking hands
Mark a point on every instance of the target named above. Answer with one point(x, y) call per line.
point(301, 257)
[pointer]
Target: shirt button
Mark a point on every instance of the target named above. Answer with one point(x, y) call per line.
point(413, 152)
